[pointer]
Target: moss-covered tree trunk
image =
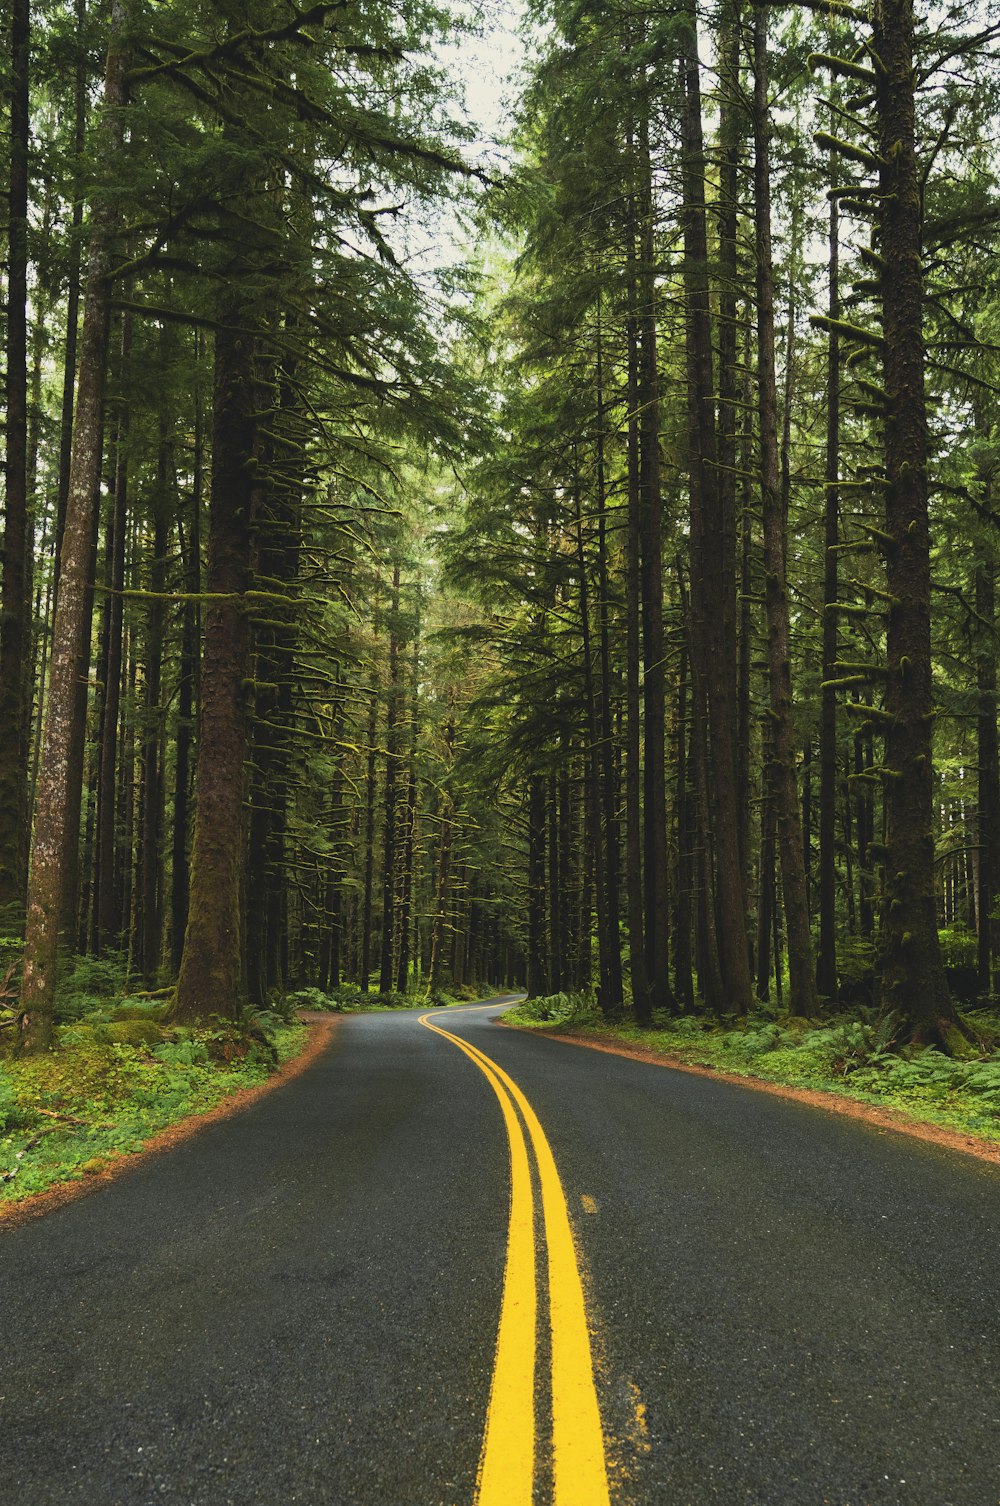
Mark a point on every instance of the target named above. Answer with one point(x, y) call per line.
point(211, 964)
point(52, 816)
point(912, 975)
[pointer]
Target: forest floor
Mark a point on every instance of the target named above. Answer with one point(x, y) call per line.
point(844, 1064)
point(119, 1083)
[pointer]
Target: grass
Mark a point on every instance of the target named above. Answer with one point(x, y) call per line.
point(115, 1078)
point(847, 1055)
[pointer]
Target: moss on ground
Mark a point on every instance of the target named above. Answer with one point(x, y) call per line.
point(851, 1057)
point(109, 1085)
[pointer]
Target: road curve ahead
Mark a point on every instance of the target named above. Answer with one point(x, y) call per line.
point(456, 1265)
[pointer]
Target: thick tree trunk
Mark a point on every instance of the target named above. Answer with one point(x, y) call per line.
point(912, 975)
point(713, 582)
point(45, 887)
point(15, 603)
point(211, 964)
point(802, 971)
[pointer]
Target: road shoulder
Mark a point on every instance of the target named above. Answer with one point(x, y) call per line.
point(882, 1120)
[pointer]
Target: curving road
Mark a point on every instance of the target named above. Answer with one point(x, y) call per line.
point(347, 1295)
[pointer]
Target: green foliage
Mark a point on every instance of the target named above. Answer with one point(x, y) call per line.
point(958, 946)
point(579, 1008)
point(87, 981)
point(67, 1113)
point(855, 959)
point(850, 1056)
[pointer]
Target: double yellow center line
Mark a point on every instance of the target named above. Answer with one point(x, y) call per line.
point(507, 1463)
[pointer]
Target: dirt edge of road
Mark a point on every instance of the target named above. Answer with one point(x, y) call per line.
point(883, 1119)
point(321, 1030)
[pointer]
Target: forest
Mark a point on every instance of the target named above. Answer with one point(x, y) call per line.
point(606, 605)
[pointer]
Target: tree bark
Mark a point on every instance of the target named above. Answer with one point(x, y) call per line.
point(655, 868)
point(713, 581)
point(913, 983)
point(802, 971)
point(15, 603)
point(389, 803)
point(45, 887)
point(211, 964)
point(826, 962)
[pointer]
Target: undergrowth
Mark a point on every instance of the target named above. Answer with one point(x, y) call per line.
point(350, 998)
point(851, 1055)
point(117, 1075)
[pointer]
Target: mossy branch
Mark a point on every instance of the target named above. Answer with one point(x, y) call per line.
point(847, 331)
point(841, 67)
point(870, 713)
point(849, 150)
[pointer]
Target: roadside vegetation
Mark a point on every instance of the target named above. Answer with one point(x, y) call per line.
point(351, 998)
point(118, 1074)
point(853, 1054)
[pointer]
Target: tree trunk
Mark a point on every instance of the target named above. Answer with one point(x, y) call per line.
point(655, 867)
point(45, 887)
point(15, 604)
point(912, 975)
point(609, 994)
point(633, 654)
point(369, 874)
point(802, 970)
point(826, 962)
point(186, 701)
point(537, 978)
point(151, 798)
point(389, 804)
point(410, 830)
point(211, 964)
point(988, 816)
point(713, 572)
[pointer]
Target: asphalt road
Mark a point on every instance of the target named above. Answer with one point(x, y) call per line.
point(301, 1304)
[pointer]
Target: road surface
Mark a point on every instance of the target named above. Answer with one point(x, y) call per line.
point(456, 1265)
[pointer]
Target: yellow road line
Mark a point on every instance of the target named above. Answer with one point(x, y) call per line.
point(507, 1462)
point(579, 1465)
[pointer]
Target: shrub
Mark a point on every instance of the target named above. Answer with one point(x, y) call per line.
point(557, 1009)
point(86, 982)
